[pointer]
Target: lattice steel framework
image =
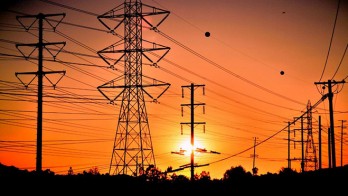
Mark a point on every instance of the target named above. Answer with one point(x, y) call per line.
point(310, 162)
point(132, 150)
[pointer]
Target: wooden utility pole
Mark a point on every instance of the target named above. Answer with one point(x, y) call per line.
point(329, 84)
point(254, 170)
point(289, 160)
point(319, 122)
point(342, 121)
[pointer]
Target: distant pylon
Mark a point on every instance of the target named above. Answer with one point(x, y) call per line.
point(311, 162)
point(308, 156)
point(132, 151)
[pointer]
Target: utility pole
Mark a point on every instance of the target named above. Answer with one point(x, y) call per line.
point(254, 155)
point(132, 149)
point(301, 141)
point(329, 84)
point(40, 73)
point(319, 122)
point(342, 121)
point(329, 147)
point(289, 160)
point(192, 123)
point(302, 149)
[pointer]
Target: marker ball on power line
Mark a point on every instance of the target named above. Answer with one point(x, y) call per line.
point(281, 72)
point(207, 34)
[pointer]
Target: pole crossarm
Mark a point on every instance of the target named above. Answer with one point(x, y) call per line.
point(36, 45)
point(116, 49)
point(332, 82)
point(54, 84)
point(112, 85)
point(155, 11)
point(42, 17)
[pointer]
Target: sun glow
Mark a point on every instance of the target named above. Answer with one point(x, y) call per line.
point(186, 147)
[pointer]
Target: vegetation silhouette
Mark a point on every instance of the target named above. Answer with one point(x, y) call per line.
point(235, 180)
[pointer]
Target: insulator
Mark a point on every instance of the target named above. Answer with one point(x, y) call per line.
point(182, 94)
point(203, 109)
point(182, 111)
point(181, 130)
point(203, 90)
point(203, 128)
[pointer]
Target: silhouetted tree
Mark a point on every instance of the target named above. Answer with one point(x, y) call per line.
point(154, 174)
point(94, 171)
point(255, 171)
point(70, 171)
point(236, 173)
point(48, 172)
point(204, 175)
point(169, 169)
point(287, 171)
point(179, 178)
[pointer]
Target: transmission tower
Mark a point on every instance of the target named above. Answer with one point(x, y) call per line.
point(132, 151)
point(41, 45)
point(192, 123)
point(308, 158)
point(311, 162)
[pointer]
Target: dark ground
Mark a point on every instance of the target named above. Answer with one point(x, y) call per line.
point(332, 181)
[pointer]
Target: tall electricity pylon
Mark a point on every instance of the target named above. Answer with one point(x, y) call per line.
point(132, 150)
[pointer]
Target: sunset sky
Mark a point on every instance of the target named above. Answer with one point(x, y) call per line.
point(240, 64)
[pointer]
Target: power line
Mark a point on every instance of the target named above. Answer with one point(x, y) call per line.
point(332, 35)
point(240, 93)
point(344, 54)
point(190, 50)
point(224, 69)
point(69, 7)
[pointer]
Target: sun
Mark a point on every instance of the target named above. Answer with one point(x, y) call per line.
point(186, 147)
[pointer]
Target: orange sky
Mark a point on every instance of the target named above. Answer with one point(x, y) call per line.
point(239, 64)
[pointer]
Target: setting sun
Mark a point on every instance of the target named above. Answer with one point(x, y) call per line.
point(186, 147)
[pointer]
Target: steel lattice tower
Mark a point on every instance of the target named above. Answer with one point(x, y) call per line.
point(310, 162)
point(132, 149)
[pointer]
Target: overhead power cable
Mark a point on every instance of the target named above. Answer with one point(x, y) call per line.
point(225, 69)
point(283, 129)
point(344, 54)
point(193, 52)
point(69, 7)
point(332, 35)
